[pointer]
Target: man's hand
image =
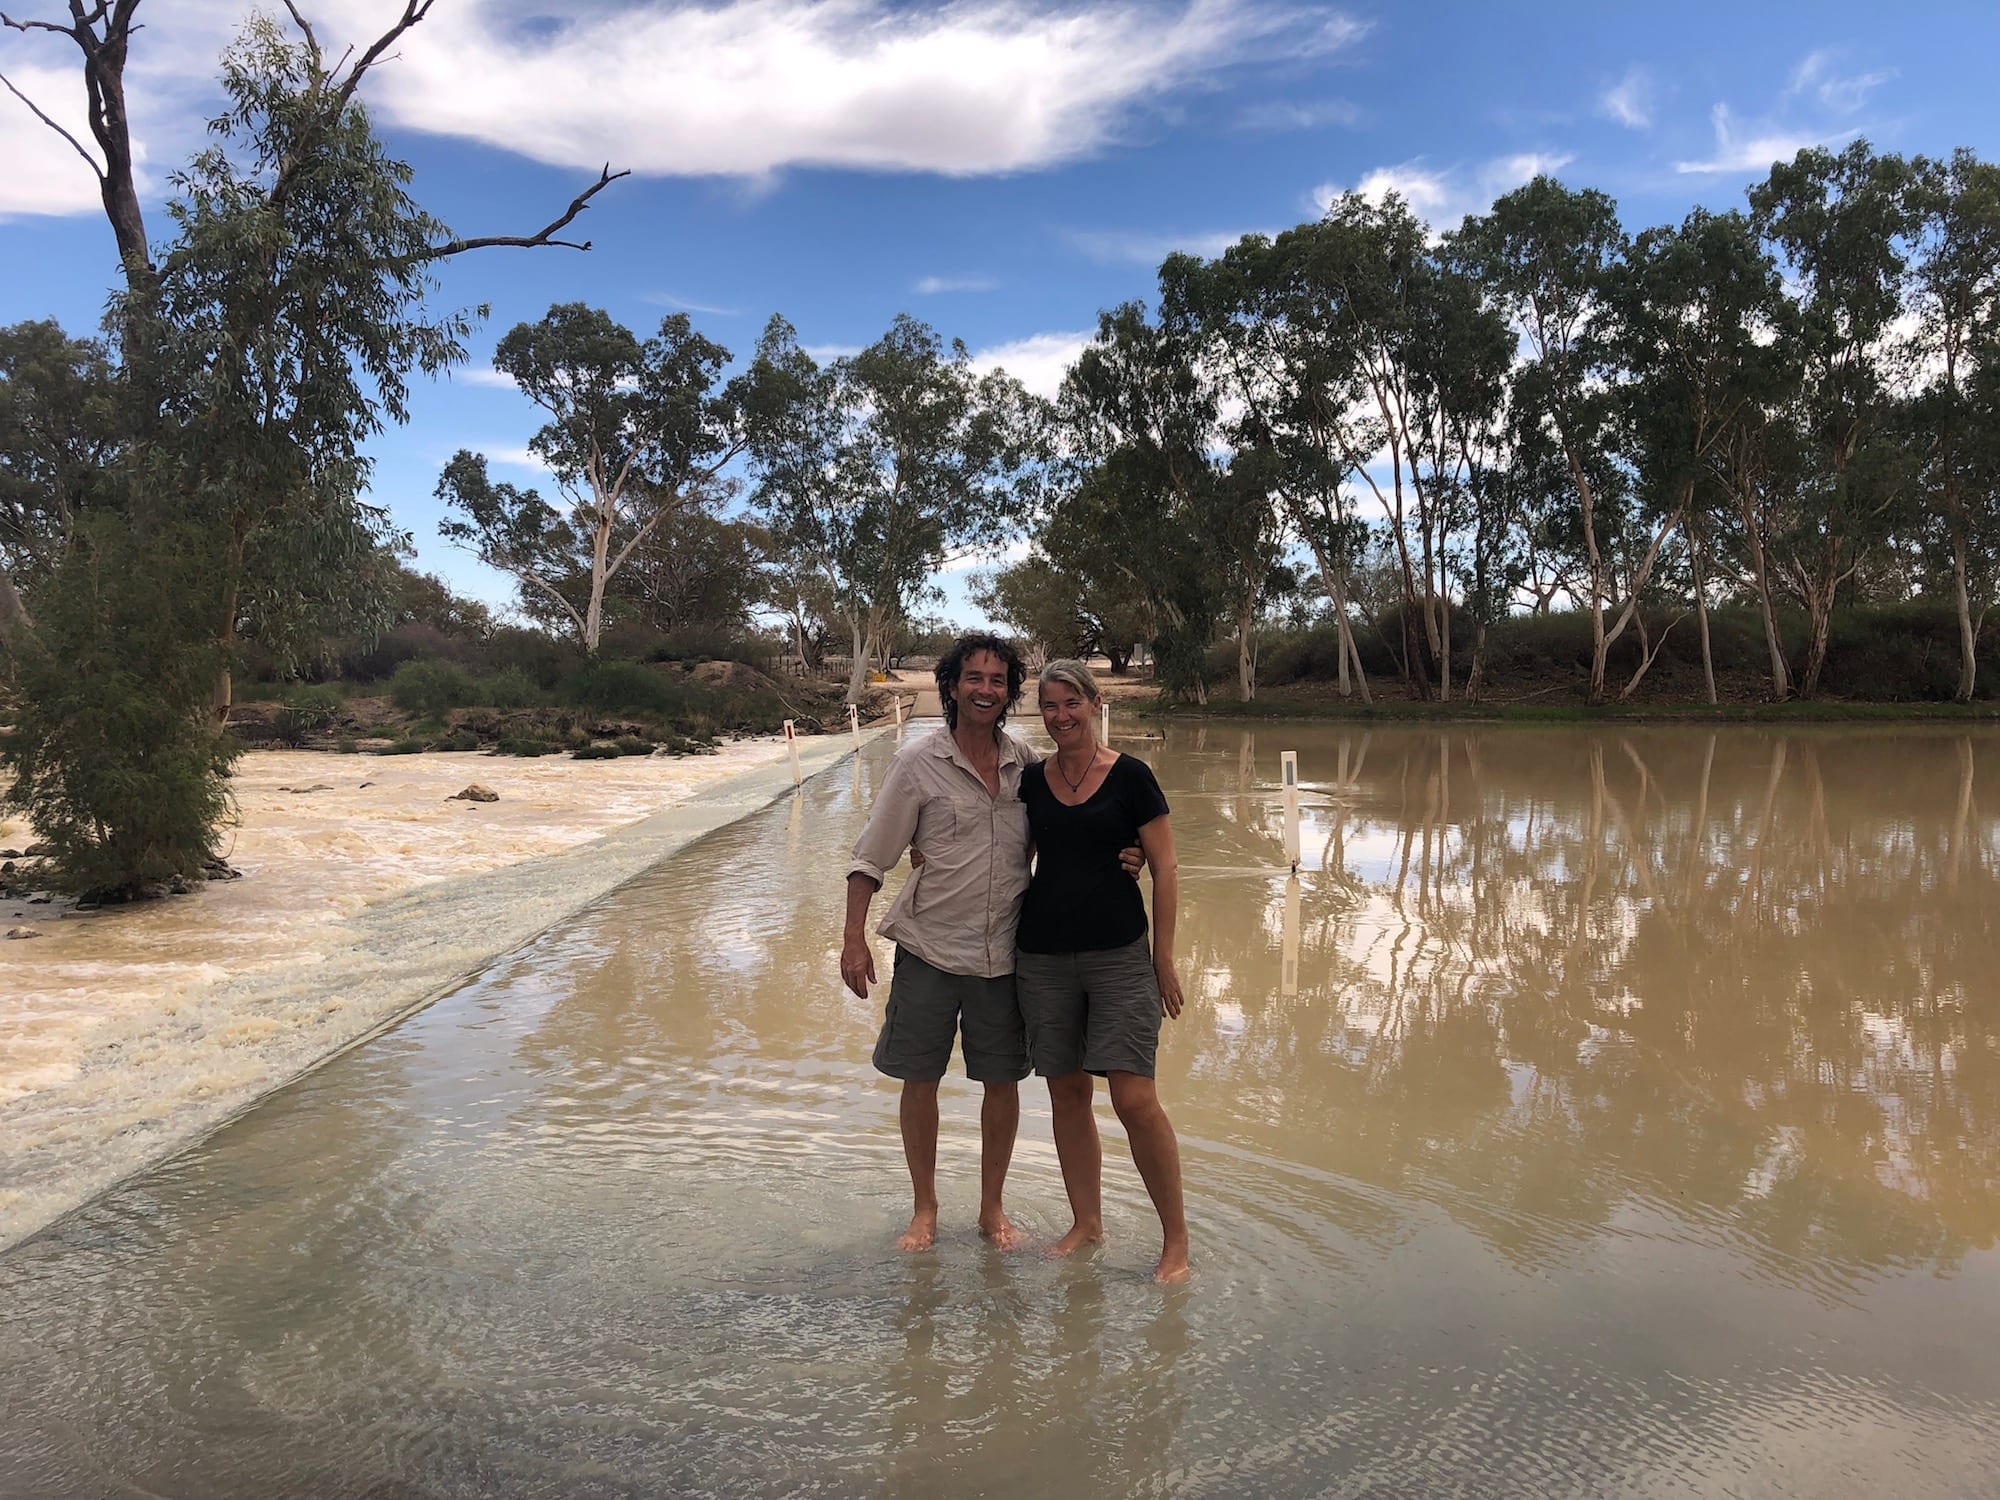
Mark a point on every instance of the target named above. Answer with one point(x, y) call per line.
point(1132, 859)
point(857, 964)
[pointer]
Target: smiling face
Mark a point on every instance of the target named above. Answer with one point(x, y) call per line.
point(1069, 716)
point(981, 692)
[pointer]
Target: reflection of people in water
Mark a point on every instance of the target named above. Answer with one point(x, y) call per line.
point(1092, 989)
point(957, 793)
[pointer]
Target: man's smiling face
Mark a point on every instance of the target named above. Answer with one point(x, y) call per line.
point(981, 693)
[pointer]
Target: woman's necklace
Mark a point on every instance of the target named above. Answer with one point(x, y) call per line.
point(1076, 786)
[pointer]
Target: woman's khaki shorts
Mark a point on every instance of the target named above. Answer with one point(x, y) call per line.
point(1092, 1012)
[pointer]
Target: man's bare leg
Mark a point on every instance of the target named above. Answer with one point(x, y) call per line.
point(919, 1115)
point(1157, 1153)
point(1082, 1158)
point(999, 1123)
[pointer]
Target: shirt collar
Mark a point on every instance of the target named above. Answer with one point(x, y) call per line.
point(947, 746)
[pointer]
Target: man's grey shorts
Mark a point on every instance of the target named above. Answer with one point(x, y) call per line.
point(1094, 1012)
point(928, 1007)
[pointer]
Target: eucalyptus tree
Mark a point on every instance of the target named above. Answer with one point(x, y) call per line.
point(1840, 225)
point(1543, 254)
point(1064, 610)
point(58, 435)
point(1956, 280)
point(884, 466)
point(257, 346)
point(1698, 331)
point(637, 435)
point(1143, 481)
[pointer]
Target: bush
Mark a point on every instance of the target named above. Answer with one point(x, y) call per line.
point(347, 745)
point(307, 711)
point(595, 752)
point(540, 658)
point(628, 687)
point(459, 741)
point(404, 747)
point(430, 687)
point(510, 688)
point(527, 746)
point(631, 744)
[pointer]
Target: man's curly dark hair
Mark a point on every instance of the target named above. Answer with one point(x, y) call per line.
point(952, 663)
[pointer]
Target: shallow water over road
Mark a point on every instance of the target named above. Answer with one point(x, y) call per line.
point(1597, 1113)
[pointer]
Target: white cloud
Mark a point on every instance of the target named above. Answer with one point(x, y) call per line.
point(45, 175)
point(827, 353)
point(1314, 114)
point(931, 286)
point(1038, 361)
point(1840, 93)
point(519, 456)
point(1015, 551)
point(1629, 101)
point(1442, 197)
point(758, 85)
point(1148, 247)
point(1738, 151)
point(979, 86)
point(682, 304)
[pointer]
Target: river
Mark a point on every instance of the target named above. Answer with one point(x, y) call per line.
point(1594, 1113)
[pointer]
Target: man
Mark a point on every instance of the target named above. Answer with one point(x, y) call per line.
point(956, 795)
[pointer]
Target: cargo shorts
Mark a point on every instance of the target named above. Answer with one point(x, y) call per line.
point(1091, 1012)
point(928, 1007)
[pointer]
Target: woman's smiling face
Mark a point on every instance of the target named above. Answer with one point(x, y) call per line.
point(1068, 716)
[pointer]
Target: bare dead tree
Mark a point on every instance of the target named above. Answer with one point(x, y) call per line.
point(103, 31)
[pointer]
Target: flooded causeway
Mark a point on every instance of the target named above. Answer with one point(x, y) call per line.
point(1593, 1113)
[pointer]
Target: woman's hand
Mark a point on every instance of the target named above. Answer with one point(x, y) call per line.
point(1170, 988)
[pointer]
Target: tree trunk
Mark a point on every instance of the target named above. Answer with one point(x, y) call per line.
point(1701, 613)
point(1475, 677)
point(1968, 638)
point(1820, 608)
point(857, 671)
point(14, 621)
point(1246, 665)
point(226, 636)
point(593, 619)
point(1781, 676)
point(1587, 502)
point(1444, 650)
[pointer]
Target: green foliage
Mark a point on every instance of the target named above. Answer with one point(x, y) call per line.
point(459, 741)
point(307, 711)
point(595, 752)
point(508, 688)
point(630, 687)
point(528, 746)
point(407, 746)
point(631, 744)
point(431, 687)
point(115, 755)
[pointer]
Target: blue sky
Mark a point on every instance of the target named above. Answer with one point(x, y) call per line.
point(1000, 169)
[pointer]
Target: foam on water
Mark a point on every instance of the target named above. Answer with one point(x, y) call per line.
point(128, 1032)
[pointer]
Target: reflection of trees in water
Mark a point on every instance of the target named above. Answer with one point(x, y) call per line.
point(1740, 976)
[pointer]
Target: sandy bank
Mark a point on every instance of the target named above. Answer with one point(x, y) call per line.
point(127, 1033)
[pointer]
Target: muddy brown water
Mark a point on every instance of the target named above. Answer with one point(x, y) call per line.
point(1626, 1121)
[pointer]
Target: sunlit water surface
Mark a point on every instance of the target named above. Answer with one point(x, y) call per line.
point(1597, 1113)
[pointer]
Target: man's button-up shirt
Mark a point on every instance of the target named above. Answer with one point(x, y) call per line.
point(958, 912)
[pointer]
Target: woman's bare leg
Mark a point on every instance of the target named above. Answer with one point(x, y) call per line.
point(1157, 1153)
point(1082, 1158)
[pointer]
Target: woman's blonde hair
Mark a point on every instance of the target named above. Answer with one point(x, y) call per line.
point(1072, 673)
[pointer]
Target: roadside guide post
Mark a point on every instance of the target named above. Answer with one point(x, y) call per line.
point(854, 724)
point(792, 745)
point(1290, 762)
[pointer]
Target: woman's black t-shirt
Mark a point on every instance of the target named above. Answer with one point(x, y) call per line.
point(1081, 899)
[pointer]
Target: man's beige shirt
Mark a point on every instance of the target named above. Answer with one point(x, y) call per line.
point(959, 911)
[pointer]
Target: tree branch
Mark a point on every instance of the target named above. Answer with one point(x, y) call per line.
point(413, 12)
point(541, 237)
point(90, 160)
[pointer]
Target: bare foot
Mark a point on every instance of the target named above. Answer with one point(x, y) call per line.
point(1001, 1233)
point(1078, 1236)
point(1173, 1266)
point(922, 1233)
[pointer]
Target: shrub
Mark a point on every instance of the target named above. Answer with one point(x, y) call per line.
point(541, 659)
point(430, 687)
point(595, 752)
point(527, 746)
point(347, 745)
point(459, 741)
point(628, 687)
point(509, 688)
point(404, 747)
point(631, 744)
point(307, 711)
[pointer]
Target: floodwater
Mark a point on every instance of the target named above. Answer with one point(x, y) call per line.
point(1598, 1113)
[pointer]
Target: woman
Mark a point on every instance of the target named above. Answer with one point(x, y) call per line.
point(1091, 989)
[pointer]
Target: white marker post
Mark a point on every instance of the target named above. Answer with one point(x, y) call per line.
point(1290, 762)
point(792, 745)
point(1288, 980)
point(899, 710)
point(854, 724)
point(1104, 734)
